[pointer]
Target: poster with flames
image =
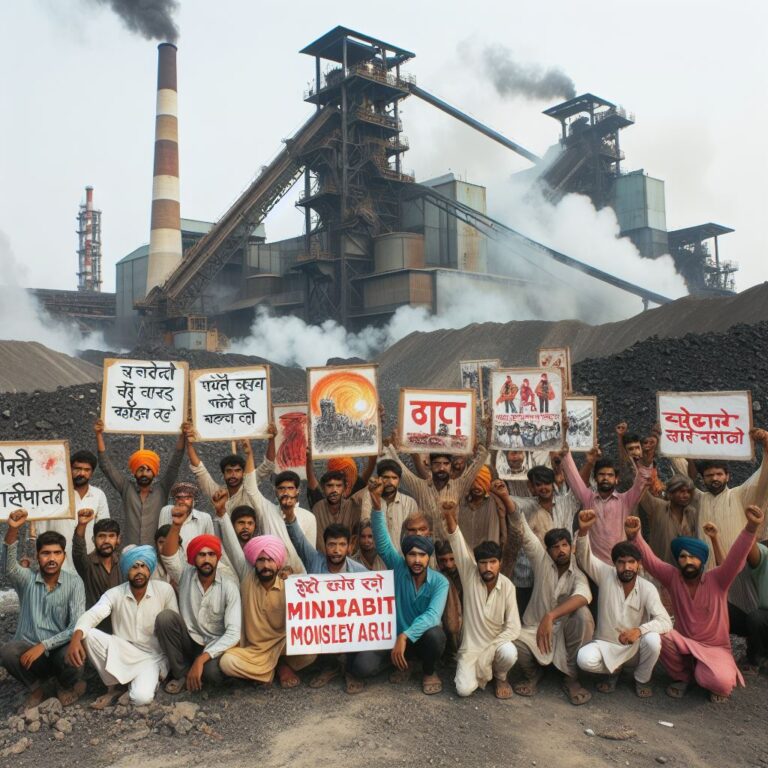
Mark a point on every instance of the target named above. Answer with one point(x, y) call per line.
point(706, 425)
point(344, 411)
point(527, 409)
point(437, 420)
point(292, 438)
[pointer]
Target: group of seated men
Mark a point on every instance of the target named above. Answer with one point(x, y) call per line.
point(501, 578)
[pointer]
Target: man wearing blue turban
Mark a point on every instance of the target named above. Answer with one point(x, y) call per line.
point(131, 656)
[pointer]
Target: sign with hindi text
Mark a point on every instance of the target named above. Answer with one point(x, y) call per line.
point(230, 403)
point(144, 396)
point(706, 425)
point(437, 420)
point(36, 476)
point(340, 612)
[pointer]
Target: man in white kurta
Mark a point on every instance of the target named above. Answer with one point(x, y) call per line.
point(491, 621)
point(630, 614)
point(132, 654)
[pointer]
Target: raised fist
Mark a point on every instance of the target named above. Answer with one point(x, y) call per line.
point(17, 518)
point(632, 527)
point(755, 517)
point(710, 529)
point(499, 488)
point(98, 426)
point(621, 428)
point(587, 518)
point(219, 499)
point(272, 430)
point(84, 516)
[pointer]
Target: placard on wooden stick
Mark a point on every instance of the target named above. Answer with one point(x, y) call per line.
point(437, 420)
point(231, 403)
point(144, 396)
point(36, 476)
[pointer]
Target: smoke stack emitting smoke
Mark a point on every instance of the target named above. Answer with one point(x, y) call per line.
point(152, 19)
point(510, 78)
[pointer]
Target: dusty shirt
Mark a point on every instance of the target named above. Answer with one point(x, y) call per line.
point(479, 523)
point(664, 527)
point(348, 515)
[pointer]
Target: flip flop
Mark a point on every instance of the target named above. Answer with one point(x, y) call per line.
point(353, 685)
point(287, 677)
point(400, 676)
point(643, 690)
point(175, 685)
point(608, 685)
point(69, 696)
point(717, 698)
point(577, 694)
point(431, 684)
point(677, 690)
point(106, 699)
point(323, 678)
point(528, 686)
point(502, 689)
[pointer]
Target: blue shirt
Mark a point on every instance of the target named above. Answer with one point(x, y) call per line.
point(313, 561)
point(45, 616)
point(417, 611)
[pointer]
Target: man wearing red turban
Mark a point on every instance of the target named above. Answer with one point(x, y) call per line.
point(209, 619)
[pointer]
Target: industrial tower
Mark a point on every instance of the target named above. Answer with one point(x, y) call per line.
point(89, 246)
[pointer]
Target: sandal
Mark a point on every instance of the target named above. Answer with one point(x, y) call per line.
point(502, 689)
point(528, 686)
point(400, 676)
point(69, 696)
point(643, 690)
point(576, 693)
point(352, 684)
point(322, 679)
point(175, 685)
point(608, 685)
point(287, 677)
point(431, 684)
point(677, 690)
point(106, 699)
point(718, 698)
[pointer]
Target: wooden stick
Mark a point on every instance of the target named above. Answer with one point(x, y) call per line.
point(234, 446)
point(141, 442)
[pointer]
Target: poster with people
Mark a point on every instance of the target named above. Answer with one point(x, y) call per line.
point(344, 411)
point(706, 425)
point(292, 423)
point(437, 420)
point(476, 375)
point(557, 357)
point(527, 409)
point(582, 422)
point(36, 476)
point(230, 403)
point(146, 397)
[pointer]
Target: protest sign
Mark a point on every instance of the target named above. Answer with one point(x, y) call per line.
point(437, 420)
point(582, 422)
point(36, 476)
point(476, 374)
point(706, 425)
point(527, 409)
point(557, 357)
point(340, 612)
point(343, 411)
point(230, 403)
point(292, 438)
point(144, 396)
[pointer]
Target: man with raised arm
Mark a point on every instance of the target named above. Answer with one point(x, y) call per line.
point(195, 522)
point(147, 494)
point(334, 508)
point(209, 618)
point(50, 603)
point(556, 622)
point(491, 622)
point(630, 616)
point(699, 647)
point(420, 595)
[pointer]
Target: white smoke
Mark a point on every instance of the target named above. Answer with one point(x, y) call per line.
point(22, 318)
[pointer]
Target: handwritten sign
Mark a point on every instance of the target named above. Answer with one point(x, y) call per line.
point(292, 438)
point(437, 420)
point(230, 403)
point(582, 422)
point(340, 612)
point(557, 357)
point(144, 396)
point(527, 409)
point(36, 476)
point(706, 425)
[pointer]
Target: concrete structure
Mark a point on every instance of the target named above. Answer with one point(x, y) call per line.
point(89, 245)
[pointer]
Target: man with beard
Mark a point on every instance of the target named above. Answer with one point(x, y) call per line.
point(699, 647)
point(209, 619)
point(611, 508)
point(334, 508)
point(395, 505)
point(367, 555)
point(50, 603)
point(195, 522)
point(491, 620)
point(132, 654)
point(263, 599)
point(440, 486)
point(99, 569)
point(420, 595)
point(556, 622)
point(87, 496)
point(452, 614)
point(144, 498)
point(671, 517)
point(243, 519)
point(630, 615)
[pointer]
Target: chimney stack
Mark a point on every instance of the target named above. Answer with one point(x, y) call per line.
point(165, 229)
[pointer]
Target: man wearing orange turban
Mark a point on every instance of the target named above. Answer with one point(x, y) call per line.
point(144, 498)
point(479, 518)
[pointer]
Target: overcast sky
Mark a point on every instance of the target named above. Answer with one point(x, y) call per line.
point(78, 99)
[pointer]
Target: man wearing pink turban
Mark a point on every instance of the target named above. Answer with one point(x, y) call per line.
point(262, 647)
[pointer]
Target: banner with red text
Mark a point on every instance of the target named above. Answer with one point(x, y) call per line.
point(340, 612)
point(706, 425)
point(437, 420)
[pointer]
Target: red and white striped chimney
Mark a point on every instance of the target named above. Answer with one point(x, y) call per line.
point(165, 230)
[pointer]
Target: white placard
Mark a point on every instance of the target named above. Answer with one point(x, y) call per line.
point(230, 403)
point(582, 423)
point(144, 397)
point(437, 420)
point(340, 612)
point(36, 476)
point(527, 409)
point(706, 425)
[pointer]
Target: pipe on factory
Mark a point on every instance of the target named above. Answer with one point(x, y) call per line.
point(165, 229)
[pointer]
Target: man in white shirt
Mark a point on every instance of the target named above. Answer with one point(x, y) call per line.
point(196, 523)
point(630, 615)
point(132, 654)
point(87, 496)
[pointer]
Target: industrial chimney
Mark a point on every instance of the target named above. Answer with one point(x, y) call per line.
point(89, 245)
point(165, 229)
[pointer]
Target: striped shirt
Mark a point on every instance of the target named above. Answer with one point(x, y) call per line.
point(45, 616)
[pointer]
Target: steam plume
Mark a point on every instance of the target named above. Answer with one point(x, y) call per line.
point(152, 19)
point(511, 78)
